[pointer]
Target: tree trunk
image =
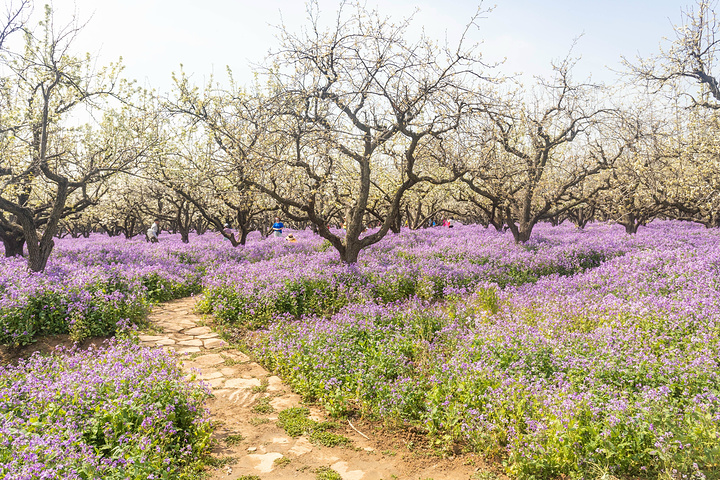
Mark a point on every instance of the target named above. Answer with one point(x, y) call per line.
point(396, 225)
point(185, 235)
point(39, 249)
point(522, 231)
point(521, 235)
point(631, 228)
point(13, 245)
point(38, 257)
point(129, 227)
point(351, 253)
point(556, 220)
point(631, 222)
point(714, 221)
point(496, 219)
point(200, 226)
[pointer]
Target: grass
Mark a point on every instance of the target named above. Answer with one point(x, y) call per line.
point(234, 439)
point(262, 388)
point(329, 439)
point(295, 422)
point(263, 406)
point(484, 475)
point(282, 461)
point(230, 362)
point(326, 473)
point(255, 421)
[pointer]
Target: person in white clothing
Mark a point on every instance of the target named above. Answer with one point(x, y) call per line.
point(153, 232)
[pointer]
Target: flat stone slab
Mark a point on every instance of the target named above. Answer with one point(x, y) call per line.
point(209, 360)
point(208, 335)
point(190, 365)
point(264, 463)
point(170, 328)
point(191, 343)
point(324, 457)
point(165, 341)
point(252, 369)
point(243, 396)
point(274, 384)
point(187, 349)
point(150, 338)
point(180, 336)
point(242, 383)
point(168, 317)
point(237, 356)
point(225, 392)
point(215, 382)
point(212, 343)
point(211, 375)
point(301, 447)
point(347, 474)
point(286, 401)
point(197, 331)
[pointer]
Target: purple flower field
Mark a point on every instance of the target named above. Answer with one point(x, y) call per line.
point(94, 286)
point(581, 353)
point(121, 411)
point(429, 264)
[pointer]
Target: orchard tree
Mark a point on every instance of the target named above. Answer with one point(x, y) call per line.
point(14, 19)
point(692, 188)
point(49, 169)
point(649, 173)
point(544, 149)
point(197, 168)
point(122, 207)
point(685, 70)
point(174, 211)
point(427, 203)
point(356, 100)
point(342, 107)
point(486, 208)
point(691, 57)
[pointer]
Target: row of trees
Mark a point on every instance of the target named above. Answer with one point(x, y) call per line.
point(357, 124)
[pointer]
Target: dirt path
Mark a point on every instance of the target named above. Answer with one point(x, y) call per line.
point(255, 442)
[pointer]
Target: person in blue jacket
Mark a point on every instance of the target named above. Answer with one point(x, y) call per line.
point(277, 227)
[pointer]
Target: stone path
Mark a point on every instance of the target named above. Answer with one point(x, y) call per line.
point(228, 371)
point(248, 437)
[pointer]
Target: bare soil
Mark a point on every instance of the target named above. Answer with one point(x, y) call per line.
point(44, 346)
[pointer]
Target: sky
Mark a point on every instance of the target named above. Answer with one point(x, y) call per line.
point(154, 37)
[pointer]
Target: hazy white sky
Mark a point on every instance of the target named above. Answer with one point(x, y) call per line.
point(155, 36)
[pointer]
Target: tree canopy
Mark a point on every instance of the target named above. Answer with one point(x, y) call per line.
point(355, 122)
